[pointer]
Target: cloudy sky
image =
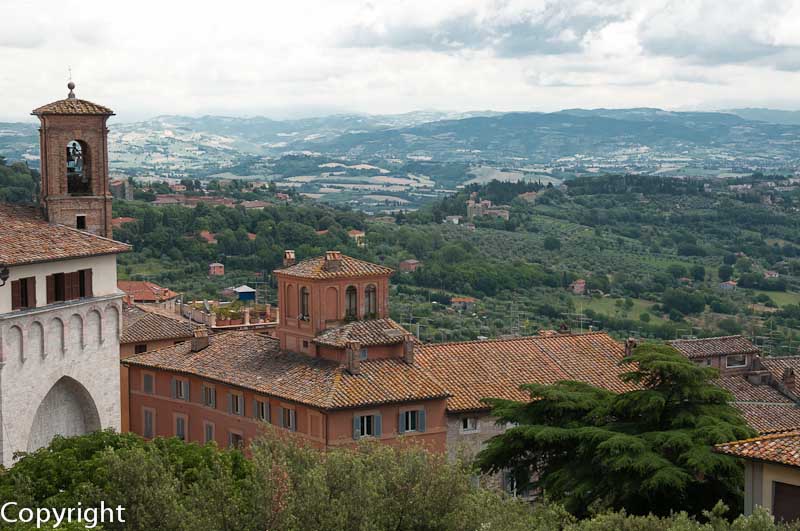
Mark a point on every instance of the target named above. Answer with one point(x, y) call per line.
point(306, 57)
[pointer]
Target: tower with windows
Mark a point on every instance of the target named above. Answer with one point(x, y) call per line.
point(337, 307)
point(74, 163)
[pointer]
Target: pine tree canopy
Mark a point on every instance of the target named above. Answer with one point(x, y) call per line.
point(648, 450)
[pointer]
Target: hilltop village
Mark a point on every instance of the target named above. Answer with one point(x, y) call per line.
point(320, 360)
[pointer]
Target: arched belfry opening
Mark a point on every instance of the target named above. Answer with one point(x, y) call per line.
point(79, 180)
point(67, 409)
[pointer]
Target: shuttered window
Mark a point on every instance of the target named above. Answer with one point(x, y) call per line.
point(180, 428)
point(412, 421)
point(69, 286)
point(147, 383)
point(23, 293)
point(366, 426)
point(180, 389)
point(235, 404)
point(287, 419)
point(209, 396)
point(149, 423)
point(261, 410)
point(208, 432)
point(235, 440)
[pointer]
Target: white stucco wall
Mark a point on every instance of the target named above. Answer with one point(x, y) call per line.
point(74, 344)
point(104, 277)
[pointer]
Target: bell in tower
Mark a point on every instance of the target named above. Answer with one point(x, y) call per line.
point(74, 153)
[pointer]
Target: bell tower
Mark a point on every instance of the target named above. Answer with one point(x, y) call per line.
point(73, 141)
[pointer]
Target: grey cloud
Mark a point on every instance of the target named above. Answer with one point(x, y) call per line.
point(531, 33)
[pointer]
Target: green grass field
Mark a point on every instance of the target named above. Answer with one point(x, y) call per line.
point(781, 298)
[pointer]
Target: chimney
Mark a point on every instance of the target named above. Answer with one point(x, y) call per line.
point(408, 349)
point(288, 258)
point(333, 261)
point(200, 340)
point(353, 353)
point(630, 344)
point(789, 379)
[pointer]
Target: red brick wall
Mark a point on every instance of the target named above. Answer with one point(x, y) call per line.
point(55, 133)
point(326, 306)
point(321, 429)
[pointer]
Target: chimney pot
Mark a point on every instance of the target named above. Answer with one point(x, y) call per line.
point(333, 261)
point(199, 343)
point(408, 349)
point(630, 344)
point(288, 258)
point(353, 353)
point(789, 380)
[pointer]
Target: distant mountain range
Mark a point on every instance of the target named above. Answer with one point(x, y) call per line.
point(757, 138)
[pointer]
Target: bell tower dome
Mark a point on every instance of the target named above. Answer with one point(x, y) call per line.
point(73, 141)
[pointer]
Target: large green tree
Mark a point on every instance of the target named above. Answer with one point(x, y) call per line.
point(645, 450)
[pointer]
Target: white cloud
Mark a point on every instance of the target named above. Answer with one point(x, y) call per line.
point(313, 56)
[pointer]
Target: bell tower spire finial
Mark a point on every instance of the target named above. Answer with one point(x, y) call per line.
point(70, 85)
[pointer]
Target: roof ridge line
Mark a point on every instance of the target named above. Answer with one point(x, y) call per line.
point(518, 338)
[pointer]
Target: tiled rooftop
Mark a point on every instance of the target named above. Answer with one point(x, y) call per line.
point(350, 267)
point(367, 333)
point(255, 362)
point(144, 291)
point(744, 391)
point(714, 346)
point(770, 417)
point(72, 106)
point(776, 365)
point(475, 370)
point(27, 238)
point(781, 448)
point(140, 325)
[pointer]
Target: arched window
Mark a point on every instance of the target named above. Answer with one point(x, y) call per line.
point(304, 304)
point(79, 181)
point(351, 303)
point(371, 296)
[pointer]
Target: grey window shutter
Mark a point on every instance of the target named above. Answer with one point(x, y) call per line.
point(377, 426)
point(280, 418)
point(293, 419)
point(401, 428)
point(203, 393)
point(255, 408)
point(421, 420)
point(188, 396)
point(174, 388)
point(356, 427)
point(268, 412)
point(230, 403)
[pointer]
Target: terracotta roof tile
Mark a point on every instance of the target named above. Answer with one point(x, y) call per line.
point(475, 370)
point(776, 365)
point(350, 267)
point(27, 238)
point(765, 408)
point(144, 291)
point(744, 391)
point(770, 418)
point(781, 448)
point(140, 325)
point(255, 362)
point(714, 346)
point(72, 106)
point(367, 333)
